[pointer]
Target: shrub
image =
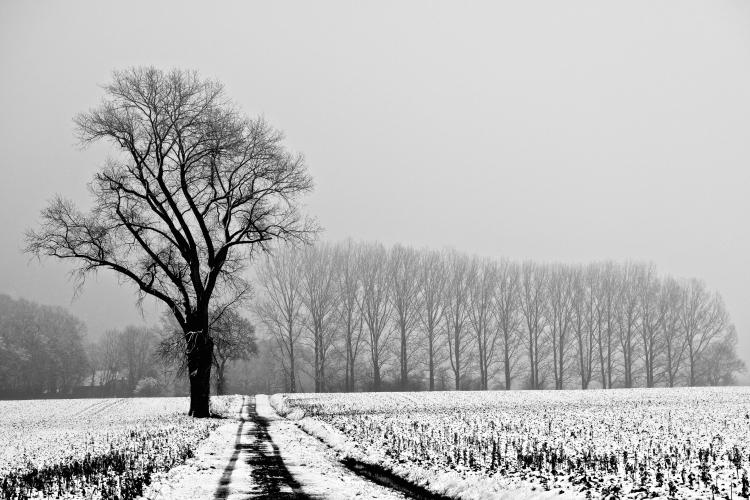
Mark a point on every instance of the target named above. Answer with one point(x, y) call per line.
point(148, 386)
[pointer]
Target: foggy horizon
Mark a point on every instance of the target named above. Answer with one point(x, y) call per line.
point(618, 132)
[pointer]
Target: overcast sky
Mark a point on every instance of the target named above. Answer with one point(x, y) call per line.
point(556, 131)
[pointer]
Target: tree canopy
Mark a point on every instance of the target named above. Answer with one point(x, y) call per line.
point(195, 189)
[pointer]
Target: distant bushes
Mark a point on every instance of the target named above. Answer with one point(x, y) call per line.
point(148, 386)
point(41, 349)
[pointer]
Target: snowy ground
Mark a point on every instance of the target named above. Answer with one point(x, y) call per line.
point(94, 448)
point(261, 455)
point(676, 443)
point(465, 445)
point(198, 477)
point(126, 448)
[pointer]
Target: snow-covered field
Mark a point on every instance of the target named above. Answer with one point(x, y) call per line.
point(681, 443)
point(96, 448)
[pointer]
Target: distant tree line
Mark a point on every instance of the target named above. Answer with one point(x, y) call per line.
point(45, 352)
point(353, 316)
point(41, 349)
point(360, 316)
point(124, 362)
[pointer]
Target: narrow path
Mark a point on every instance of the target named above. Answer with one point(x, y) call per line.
point(226, 477)
point(256, 454)
point(269, 470)
point(272, 458)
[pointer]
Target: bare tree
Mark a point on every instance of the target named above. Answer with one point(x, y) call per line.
point(719, 364)
point(647, 288)
point(376, 306)
point(608, 286)
point(456, 303)
point(196, 187)
point(507, 315)
point(110, 357)
point(349, 292)
point(600, 317)
point(628, 316)
point(280, 305)
point(559, 295)
point(136, 346)
point(405, 297)
point(584, 320)
point(432, 280)
point(533, 284)
point(318, 282)
point(483, 285)
point(675, 344)
point(234, 340)
point(703, 318)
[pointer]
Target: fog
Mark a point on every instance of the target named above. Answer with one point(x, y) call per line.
point(553, 131)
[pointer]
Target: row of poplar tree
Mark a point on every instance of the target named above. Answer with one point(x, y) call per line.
point(362, 316)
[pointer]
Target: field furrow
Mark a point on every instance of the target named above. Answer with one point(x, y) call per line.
point(678, 443)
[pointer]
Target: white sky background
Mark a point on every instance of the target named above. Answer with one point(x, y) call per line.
point(556, 131)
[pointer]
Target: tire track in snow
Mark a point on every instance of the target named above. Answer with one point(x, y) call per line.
point(86, 409)
point(269, 477)
point(226, 478)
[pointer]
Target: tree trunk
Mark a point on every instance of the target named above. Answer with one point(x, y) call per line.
point(561, 362)
point(649, 354)
point(349, 361)
point(200, 354)
point(220, 381)
point(628, 361)
point(323, 375)
point(481, 360)
point(537, 382)
point(316, 335)
point(506, 362)
point(602, 366)
point(554, 361)
point(457, 360)
point(292, 376)
point(670, 373)
point(609, 359)
point(532, 363)
point(404, 364)
point(376, 377)
point(431, 340)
